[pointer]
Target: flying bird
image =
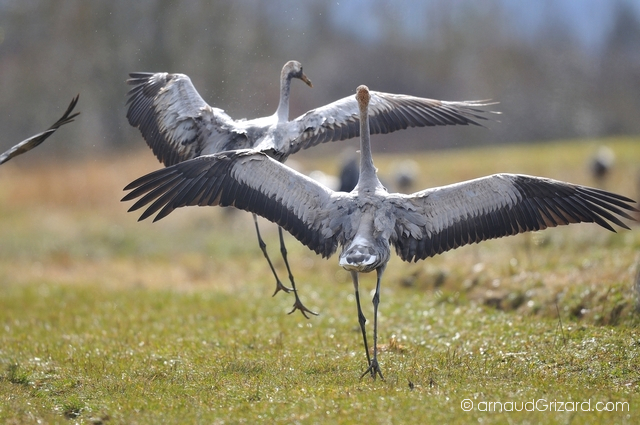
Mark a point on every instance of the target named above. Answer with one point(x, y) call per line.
point(179, 125)
point(33, 141)
point(367, 221)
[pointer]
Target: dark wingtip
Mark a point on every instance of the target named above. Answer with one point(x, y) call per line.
point(66, 117)
point(126, 198)
point(130, 186)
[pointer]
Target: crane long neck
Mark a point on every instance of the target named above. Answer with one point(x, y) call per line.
point(367, 169)
point(283, 106)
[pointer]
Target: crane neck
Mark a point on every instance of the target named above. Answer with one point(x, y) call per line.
point(367, 169)
point(282, 113)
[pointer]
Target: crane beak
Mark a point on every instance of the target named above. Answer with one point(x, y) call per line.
point(306, 80)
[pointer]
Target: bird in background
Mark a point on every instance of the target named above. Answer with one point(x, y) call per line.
point(34, 141)
point(601, 163)
point(369, 220)
point(349, 172)
point(405, 173)
point(179, 125)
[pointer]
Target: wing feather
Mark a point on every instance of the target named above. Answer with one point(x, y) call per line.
point(172, 117)
point(497, 206)
point(387, 113)
point(248, 180)
point(33, 141)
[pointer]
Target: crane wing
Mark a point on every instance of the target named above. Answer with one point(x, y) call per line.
point(251, 181)
point(440, 219)
point(387, 113)
point(33, 141)
point(175, 121)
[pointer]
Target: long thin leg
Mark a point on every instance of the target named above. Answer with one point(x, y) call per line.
point(361, 319)
point(297, 305)
point(374, 367)
point(263, 247)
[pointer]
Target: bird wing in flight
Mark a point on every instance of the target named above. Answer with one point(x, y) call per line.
point(440, 219)
point(33, 141)
point(254, 182)
point(175, 121)
point(388, 112)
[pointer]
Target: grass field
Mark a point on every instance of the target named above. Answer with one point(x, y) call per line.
point(104, 320)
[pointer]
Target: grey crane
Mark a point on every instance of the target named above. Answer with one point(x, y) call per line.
point(33, 141)
point(178, 125)
point(368, 220)
point(601, 163)
point(349, 173)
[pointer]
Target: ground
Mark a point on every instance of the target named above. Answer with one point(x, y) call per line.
point(107, 320)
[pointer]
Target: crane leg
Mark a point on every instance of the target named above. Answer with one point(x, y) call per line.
point(297, 305)
point(263, 247)
point(361, 319)
point(374, 367)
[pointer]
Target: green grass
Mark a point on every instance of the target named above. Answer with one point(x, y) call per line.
point(105, 320)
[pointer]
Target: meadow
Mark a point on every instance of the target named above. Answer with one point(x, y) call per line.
point(104, 320)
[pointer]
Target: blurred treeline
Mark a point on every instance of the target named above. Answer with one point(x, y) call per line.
point(550, 80)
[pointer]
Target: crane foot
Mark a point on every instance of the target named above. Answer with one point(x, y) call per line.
point(297, 305)
point(373, 369)
point(281, 287)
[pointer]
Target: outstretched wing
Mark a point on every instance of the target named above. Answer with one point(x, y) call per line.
point(175, 121)
point(251, 181)
point(440, 219)
point(33, 141)
point(387, 113)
